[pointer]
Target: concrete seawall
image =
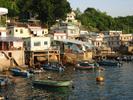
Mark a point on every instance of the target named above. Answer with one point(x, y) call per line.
point(11, 58)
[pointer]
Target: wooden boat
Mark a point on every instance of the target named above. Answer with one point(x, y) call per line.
point(54, 66)
point(4, 80)
point(85, 65)
point(19, 72)
point(88, 66)
point(36, 71)
point(52, 83)
point(108, 63)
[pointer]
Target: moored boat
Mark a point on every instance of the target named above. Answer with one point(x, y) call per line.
point(85, 65)
point(19, 72)
point(88, 66)
point(54, 66)
point(36, 71)
point(108, 63)
point(4, 80)
point(52, 83)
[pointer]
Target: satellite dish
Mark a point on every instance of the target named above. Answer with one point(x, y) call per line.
point(3, 11)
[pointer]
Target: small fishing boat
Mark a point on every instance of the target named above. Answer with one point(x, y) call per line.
point(4, 80)
point(54, 66)
point(109, 63)
point(36, 71)
point(88, 66)
point(85, 65)
point(19, 72)
point(52, 83)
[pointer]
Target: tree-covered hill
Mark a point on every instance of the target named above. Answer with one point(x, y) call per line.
point(48, 11)
point(95, 20)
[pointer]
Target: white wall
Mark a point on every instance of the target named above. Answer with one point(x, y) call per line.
point(38, 43)
point(21, 32)
point(3, 31)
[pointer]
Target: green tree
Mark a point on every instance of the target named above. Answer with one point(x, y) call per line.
point(11, 6)
point(48, 11)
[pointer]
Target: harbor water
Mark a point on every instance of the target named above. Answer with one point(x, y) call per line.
point(118, 85)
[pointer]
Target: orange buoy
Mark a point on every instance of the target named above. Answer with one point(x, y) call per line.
point(99, 79)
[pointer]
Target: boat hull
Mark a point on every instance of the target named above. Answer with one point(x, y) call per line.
point(52, 83)
point(108, 63)
point(18, 72)
point(53, 67)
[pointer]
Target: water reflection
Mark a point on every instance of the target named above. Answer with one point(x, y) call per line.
point(117, 86)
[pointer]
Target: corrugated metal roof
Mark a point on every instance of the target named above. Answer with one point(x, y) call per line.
point(76, 42)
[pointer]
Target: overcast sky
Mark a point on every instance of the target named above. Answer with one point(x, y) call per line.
point(111, 7)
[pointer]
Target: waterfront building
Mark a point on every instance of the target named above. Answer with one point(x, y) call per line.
point(112, 39)
point(125, 39)
point(37, 43)
point(74, 50)
point(97, 40)
point(10, 47)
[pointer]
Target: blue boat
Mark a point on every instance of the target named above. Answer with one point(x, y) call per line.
point(19, 72)
point(109, 63)
point(53, 66)
point(4, 81)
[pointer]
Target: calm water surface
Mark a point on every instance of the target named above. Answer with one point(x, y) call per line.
point(118, 85)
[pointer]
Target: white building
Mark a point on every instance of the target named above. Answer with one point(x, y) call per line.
point(37, 43)
point(60, 36)
point(112, 38)
point(70, 16)
point(70, 29)
point(125, 39)
point(19, 31)
point(38, 31)
point(3, 32)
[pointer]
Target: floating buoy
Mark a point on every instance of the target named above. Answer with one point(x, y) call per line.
point(99, 79)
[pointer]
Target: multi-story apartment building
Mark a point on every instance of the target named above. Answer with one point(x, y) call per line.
point(125, 39)
point(97, 40)
point(112, 38)
point(37, 30)
point(20, 31)
point(70, 27)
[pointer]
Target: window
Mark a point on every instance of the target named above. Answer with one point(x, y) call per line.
point(0, 33)
point(37, 43)
point(16, 30)
point(42, 32)
point(21, 31)
point(45, 42)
